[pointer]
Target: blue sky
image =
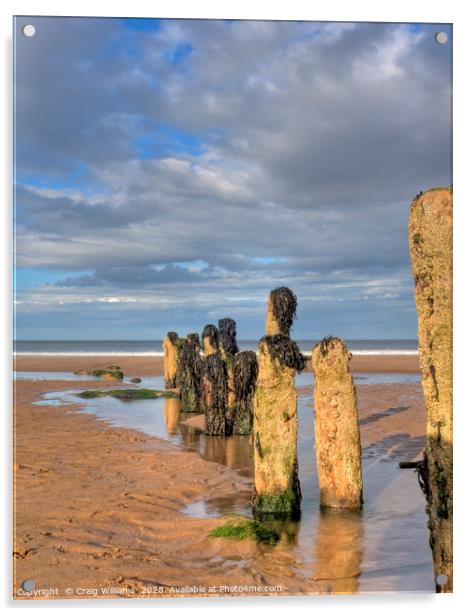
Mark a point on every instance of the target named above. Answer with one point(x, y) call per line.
point(172, 172)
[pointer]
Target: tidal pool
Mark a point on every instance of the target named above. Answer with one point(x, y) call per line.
point(382, 549)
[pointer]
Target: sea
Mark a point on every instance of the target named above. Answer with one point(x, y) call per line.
point(154, 347)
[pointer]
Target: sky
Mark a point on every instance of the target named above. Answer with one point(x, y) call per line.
point(169, 173)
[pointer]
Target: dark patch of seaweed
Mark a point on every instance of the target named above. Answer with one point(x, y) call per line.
point(285, 350)
point(194, 339)
point(211, 332)
point(227, 335)
point(284, 303)
point(189, 374)
point(174, 338)
point(214, 371)
point(245, 371)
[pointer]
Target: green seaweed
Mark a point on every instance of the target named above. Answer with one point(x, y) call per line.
point(274, 506)
point(111, 371)
point(127, 394)
point(246, 529)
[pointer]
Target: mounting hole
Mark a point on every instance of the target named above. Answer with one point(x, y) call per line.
point(441, 579)
point(440, 38)
point(28, 585)
point(29, 30)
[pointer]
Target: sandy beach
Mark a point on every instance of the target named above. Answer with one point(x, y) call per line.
point(153, 365)
point(100, 507)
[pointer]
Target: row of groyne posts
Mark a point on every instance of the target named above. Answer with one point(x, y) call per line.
point(245, 393)
point(241, 392)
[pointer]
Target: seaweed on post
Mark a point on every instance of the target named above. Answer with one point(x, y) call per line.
point(228, 348)
point(210, 339)
point(189, 374)
point(281, 311)
point(194, 340)
point(227, 337)
point(245, 370)
point(214, 394)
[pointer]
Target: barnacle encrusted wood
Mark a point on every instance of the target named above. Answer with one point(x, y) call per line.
point(430, 239)
point(171, 346)
point(276, 485)
point(214, 394)
point(210, 339)
point(281, 310)
point(189, 374)
point(337, 435)
point(245, 370)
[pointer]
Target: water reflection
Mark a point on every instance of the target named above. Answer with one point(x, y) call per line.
point(339, 550)
point(172, 415)
point(384, 548)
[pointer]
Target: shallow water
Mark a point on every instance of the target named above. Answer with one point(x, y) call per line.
point(157, 382)
point(384, 548)
point(148, 382)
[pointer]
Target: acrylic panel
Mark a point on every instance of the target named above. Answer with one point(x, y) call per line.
point(233, 319)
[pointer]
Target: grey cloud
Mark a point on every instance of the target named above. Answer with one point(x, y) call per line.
point(316, 138)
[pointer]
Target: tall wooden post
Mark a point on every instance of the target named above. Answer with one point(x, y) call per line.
point(245, 370)
point(337, 435)
point(214, 395)
point(228, 348)
point(276, 485)
point(171, 346)
point(430, 239)
point(189, 374)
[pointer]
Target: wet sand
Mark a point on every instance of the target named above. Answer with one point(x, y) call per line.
point(98, 507)
point(154, 365)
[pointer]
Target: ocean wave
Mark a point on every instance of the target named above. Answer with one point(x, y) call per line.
point(161, 354)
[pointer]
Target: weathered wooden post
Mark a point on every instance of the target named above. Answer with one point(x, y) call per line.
point(276, 485)
point(171, 346)
point(214, 395)
point(210, 340)
point(337, 435)
point(281, 310)
point(228, 348)
point(430, 239)
point(189, 374)
point(245, 370)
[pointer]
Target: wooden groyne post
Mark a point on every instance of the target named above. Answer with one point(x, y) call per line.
point(245, 371)
point(276, 484)
point(171, 346)
point(214, 395)
point(337, 435)
point(228, 348)
point(189, 374)
point(430, 239)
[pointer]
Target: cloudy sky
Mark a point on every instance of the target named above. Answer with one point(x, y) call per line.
point(170, 173)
